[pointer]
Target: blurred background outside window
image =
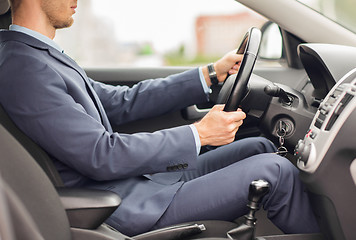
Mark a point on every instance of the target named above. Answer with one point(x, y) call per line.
point(122, 33)
point(118, 33)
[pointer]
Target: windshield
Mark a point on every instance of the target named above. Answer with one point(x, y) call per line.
point(340, 11)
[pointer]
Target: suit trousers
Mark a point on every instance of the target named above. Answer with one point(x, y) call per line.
point(218, 188)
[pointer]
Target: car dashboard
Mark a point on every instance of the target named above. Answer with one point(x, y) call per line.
point(324, 122)
point(324, 66)
point(326, 157)
point(320, 131)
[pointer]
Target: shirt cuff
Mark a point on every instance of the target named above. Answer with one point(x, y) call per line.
point(196, 137)
point(207, 89)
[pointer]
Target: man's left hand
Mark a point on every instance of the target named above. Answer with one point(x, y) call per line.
point(228, 64)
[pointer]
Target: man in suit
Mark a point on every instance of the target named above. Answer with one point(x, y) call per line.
point(159, 175)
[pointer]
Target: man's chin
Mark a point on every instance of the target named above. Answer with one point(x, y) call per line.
point(64, 24)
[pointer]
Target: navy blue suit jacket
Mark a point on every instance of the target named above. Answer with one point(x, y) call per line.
point(52, 100)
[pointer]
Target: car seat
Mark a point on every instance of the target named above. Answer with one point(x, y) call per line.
point(45, 208)
point(33, 149)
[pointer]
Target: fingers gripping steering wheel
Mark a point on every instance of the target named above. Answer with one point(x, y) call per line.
point(234, 88)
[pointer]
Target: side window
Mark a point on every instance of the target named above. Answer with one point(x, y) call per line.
point(121, 33)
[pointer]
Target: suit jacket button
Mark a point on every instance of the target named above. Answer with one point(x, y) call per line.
point(185, 165)
point(175, 167)
point(169, 169)
point(180, 166)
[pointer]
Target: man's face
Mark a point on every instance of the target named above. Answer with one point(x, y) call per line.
point(59, 12)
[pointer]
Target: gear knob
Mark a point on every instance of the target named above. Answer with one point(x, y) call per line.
point(246, 231)
point(257, 190)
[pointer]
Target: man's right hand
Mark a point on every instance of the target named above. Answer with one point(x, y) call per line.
point(218, 127)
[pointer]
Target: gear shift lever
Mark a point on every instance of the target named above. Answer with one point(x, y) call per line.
point(246, 231)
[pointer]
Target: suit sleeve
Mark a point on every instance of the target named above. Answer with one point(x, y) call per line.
point(37, 100)
point(151, 97)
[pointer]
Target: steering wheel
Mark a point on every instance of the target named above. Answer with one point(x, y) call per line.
point(234, 88)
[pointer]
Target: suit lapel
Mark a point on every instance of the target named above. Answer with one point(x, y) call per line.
point(65, 59)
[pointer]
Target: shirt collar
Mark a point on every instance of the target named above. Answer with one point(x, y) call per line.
point(36, 35)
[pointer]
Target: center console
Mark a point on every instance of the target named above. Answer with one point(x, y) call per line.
point(326, 157)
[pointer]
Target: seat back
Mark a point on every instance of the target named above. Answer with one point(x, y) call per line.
point(12, 214)
point(42, 158)
point(35, 151)
point(30, 184)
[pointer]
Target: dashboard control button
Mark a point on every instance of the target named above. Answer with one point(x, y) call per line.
point(318, 123)
point(302, 151)
point(312, 135)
